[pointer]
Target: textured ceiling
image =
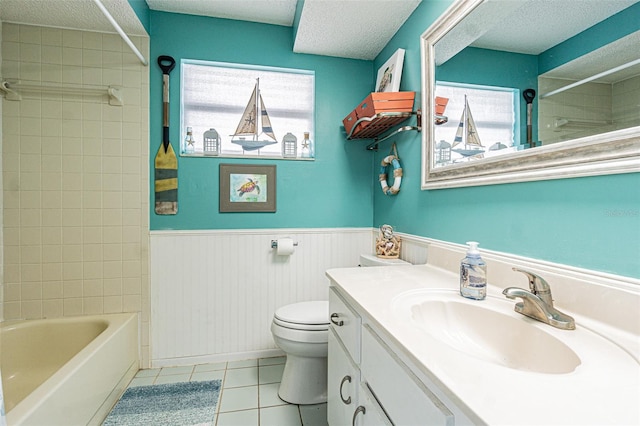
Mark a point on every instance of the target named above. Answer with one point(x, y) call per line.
point(344, 28)
point(277, 12)
point(351, 29)
point(356, 29)
point(72, 14)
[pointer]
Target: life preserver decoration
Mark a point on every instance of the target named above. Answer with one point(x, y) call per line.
point(397, 175)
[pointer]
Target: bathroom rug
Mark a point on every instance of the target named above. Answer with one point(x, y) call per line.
point(185, 404)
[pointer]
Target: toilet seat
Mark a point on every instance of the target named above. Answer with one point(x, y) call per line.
point(309, 316)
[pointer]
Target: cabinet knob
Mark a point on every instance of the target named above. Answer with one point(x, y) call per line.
point(360, 409)
point(345, 379)
point(333, 318)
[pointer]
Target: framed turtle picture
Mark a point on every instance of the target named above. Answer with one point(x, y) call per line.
point(247, 188)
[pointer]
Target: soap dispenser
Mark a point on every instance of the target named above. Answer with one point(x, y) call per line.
point(473, 274)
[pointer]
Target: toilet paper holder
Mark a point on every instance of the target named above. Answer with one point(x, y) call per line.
point(274, 244)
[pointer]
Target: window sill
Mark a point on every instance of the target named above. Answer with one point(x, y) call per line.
point(245, 156)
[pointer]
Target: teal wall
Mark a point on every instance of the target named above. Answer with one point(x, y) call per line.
point(141, 10)
point(335, 190)
point(591, 222)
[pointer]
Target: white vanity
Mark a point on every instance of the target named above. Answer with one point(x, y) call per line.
point(406, 349)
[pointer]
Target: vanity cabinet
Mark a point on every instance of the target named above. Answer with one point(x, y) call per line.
point(368, 384)
point(343, 383)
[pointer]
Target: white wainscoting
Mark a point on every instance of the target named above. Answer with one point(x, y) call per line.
point(213, 293)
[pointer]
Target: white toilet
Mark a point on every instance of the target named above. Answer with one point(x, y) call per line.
point(301, 331)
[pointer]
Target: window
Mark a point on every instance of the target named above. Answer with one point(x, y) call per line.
point(246, 111)
point(481, 123)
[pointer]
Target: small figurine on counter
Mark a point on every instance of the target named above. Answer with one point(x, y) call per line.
point(387, 244)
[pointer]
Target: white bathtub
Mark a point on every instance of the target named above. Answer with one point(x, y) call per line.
point(66, 371)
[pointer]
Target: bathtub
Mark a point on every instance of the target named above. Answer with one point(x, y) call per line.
point(66, 371)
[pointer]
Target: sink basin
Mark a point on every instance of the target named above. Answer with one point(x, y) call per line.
point(488, 330)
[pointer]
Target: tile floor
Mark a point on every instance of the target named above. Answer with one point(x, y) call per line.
point(249, 395)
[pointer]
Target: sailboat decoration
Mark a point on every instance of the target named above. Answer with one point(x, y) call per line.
point(467, 134)
point(249, 126)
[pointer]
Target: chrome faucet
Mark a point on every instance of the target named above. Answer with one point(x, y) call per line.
point(538, 303)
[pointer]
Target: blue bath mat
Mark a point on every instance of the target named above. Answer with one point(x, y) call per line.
point(189, 403)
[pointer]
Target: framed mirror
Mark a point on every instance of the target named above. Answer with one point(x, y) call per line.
point(523, 90)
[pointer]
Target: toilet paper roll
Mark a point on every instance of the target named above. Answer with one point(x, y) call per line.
point(285, 247)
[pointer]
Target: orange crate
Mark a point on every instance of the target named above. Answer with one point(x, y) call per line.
point(441, 105)
point(378, 102)
point(349, 121)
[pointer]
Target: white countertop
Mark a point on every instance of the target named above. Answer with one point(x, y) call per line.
point(603, 390)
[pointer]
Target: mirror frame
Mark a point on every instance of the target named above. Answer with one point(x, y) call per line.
point(608, 153)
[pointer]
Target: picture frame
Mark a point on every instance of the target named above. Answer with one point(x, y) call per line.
point(390, 73)
point(247, 188)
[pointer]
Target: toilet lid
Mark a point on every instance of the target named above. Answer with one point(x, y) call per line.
point(316, 312)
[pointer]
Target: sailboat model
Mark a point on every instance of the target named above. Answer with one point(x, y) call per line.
point(467, 134)
point(247, 134)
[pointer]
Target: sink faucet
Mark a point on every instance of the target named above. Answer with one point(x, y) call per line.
point(538, 303)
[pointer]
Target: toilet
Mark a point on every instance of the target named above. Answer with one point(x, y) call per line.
point(301, 331)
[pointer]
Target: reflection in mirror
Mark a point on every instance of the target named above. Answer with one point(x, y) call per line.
point(581, 99)
point(503, 76)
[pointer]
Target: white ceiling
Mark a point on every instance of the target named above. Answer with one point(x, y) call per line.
point(72, 14)
point(533, 26)
point(277, 12)
point(356, 29)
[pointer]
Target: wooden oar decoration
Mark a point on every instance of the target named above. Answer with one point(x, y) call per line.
point(166, 162)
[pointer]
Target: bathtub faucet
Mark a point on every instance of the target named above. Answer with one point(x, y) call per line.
point(538, 303)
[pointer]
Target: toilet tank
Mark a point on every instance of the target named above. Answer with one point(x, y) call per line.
point(373, 260)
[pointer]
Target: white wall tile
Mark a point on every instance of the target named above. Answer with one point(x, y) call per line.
point(30, 52)
point(10, 32)
point(52, 55)
point(91, 40)
point(52, 308)
point(51, 36)
point(111, 42)
point(30, 34)
point(10, 51)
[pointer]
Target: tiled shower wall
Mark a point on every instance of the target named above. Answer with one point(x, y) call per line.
point(75, 173)
point(598, 107)
point(1, 209)
point(626, 98)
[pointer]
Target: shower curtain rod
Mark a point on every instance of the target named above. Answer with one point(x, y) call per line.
point(121, 32)
point(593, 77)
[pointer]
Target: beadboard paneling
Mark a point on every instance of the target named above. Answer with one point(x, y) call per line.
point(213, 293)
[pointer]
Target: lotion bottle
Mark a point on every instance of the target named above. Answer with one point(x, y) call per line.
point(473, 274)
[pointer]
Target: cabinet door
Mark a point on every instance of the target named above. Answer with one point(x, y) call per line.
point(346, 323)
point(368, 412)
point(342, 384)
point(403, 396)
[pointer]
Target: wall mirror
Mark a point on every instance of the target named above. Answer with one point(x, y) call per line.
point(522, 90)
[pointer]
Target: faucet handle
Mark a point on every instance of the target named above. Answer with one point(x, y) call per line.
point(538, 286)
